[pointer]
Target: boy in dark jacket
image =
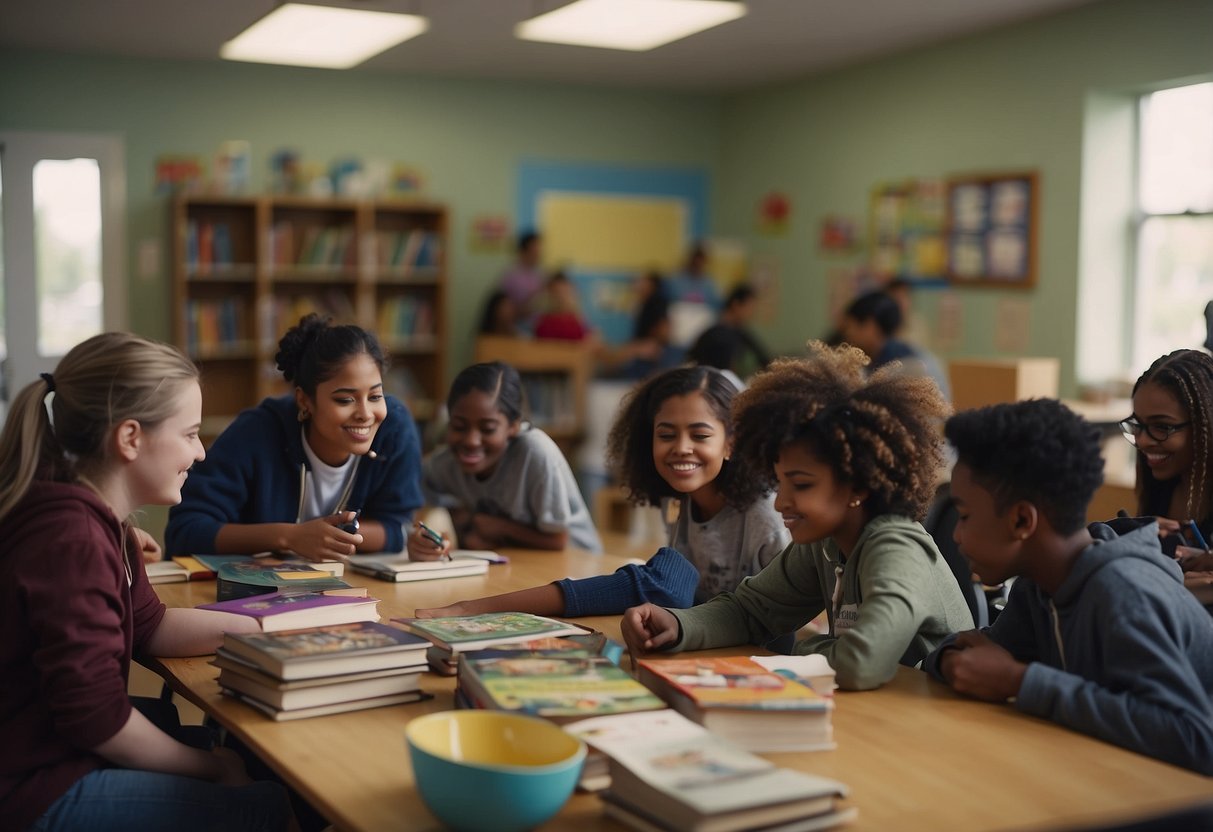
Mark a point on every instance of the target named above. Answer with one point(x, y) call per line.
point(1099, 633)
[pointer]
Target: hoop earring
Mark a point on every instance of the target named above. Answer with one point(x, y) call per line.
point(303, 415)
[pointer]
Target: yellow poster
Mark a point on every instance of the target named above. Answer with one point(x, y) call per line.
point(606, 232)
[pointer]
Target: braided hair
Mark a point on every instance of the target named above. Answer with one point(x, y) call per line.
point(1187, 375)
point(880, 433)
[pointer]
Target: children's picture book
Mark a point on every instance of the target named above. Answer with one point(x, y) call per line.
point(460, 634)
point(246, 577)
point(445, 663)
point(688, 778)
point(291, 611)
point(739, 699)
point(556, 687)
point(334, 708)
point(811, 669)
point(402, 569)
point(326, 651)
point(294, 698)
point(212, 563)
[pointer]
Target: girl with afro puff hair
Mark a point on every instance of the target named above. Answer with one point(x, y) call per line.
point(855, 461)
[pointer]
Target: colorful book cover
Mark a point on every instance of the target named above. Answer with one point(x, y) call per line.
point(494, 627)
point(323, 642)
point(261, 606)
point(575, 646)
point(734, 682)
point(258, 577)
point(555, 687)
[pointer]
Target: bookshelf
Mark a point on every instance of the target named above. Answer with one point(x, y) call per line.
point(554, 378)
point(245, 269)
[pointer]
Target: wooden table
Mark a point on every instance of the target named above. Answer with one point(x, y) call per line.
point(915, 755)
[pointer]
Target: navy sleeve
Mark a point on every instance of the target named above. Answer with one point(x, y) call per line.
point(668, 580)
point(396, 494)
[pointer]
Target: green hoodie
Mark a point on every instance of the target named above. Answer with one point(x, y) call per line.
point(899, 600)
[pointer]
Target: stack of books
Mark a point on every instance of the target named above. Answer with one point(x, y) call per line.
point(323, 670)
point(740, 700)
point(462, 634)
point(560, 679)
point(668, 773)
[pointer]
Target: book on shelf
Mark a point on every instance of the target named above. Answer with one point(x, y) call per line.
point(552, 685)
point(740, 700)
point(246, 577)
point(399, 568)
point(333, 708)
point(291, 611)
point(310, 693)
point(326, 651)
point(459, 634)
point(680, 776)
point(208, 246)
point(402, 252)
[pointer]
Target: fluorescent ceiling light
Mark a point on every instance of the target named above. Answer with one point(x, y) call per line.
point(322, 36)
point(636, 25)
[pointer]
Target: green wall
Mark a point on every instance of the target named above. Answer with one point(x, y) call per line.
point(1008, 100)
point(466, 137)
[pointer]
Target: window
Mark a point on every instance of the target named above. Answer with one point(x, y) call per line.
point(1174, 222)
point(62, 240)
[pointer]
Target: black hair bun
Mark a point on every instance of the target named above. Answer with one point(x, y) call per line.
point(295, 343)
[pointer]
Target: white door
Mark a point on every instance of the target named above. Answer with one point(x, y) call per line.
point(62, 237)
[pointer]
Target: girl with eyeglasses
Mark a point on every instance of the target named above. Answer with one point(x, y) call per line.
point(1172, 429)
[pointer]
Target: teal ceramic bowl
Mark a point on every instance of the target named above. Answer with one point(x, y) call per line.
point(488, 771)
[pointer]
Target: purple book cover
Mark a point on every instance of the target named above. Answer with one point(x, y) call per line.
point(259, 606)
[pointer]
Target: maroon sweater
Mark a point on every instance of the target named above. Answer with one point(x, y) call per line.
point(71, 619)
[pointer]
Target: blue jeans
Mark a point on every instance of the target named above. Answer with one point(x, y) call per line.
point(123, 799)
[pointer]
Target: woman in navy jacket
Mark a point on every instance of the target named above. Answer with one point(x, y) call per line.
point(293, 473)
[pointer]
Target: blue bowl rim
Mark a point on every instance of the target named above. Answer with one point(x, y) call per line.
point(573, 759)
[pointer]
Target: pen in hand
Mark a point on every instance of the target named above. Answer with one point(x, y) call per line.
point(434, 537)
point(1197, 537)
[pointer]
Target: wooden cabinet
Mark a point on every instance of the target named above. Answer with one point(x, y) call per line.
point(246, 269)
point(977, 382)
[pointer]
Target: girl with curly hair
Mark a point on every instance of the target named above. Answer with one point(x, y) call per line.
point(671, 446)
point(855, 460)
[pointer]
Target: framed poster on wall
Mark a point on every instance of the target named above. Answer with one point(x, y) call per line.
point(992, 229)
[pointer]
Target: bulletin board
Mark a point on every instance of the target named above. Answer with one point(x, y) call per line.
point(907, 231)
point(605, 224)
point(992, 229)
